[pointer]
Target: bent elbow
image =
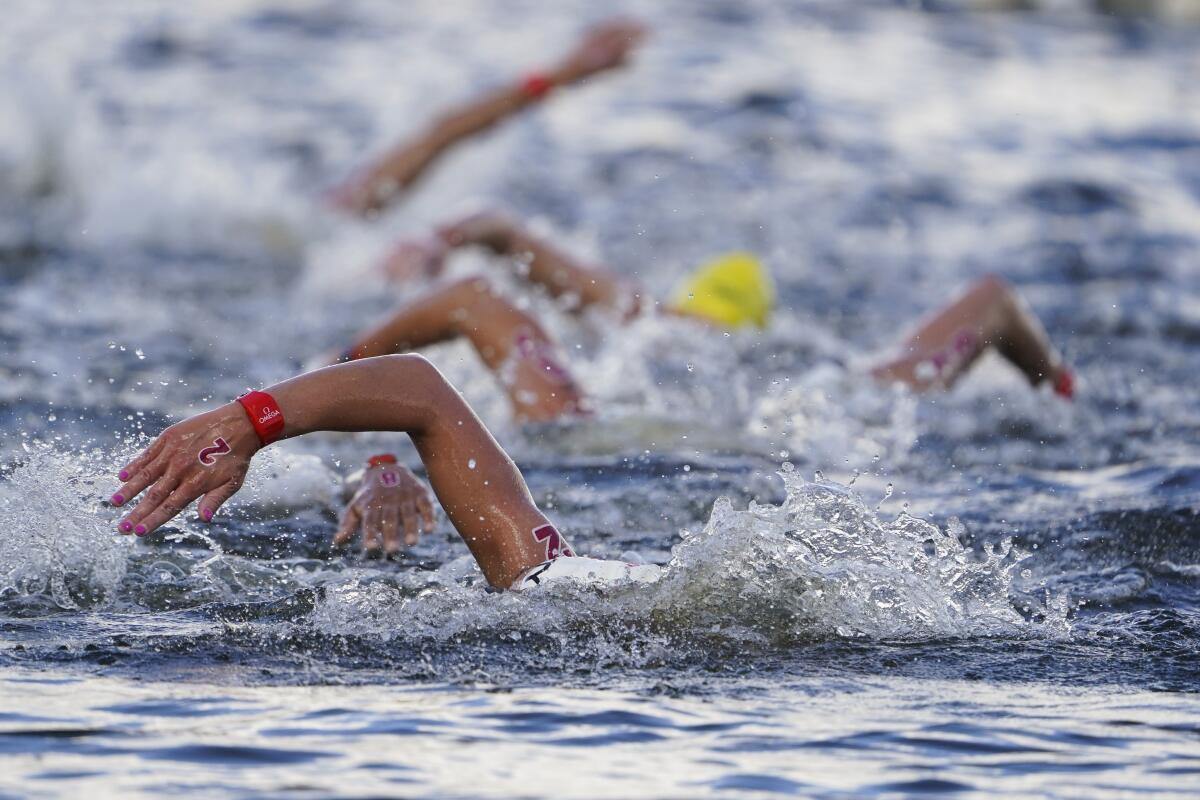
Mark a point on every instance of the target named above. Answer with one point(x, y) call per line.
point(416, 380)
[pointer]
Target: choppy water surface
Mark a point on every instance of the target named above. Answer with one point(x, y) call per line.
point(989, 591)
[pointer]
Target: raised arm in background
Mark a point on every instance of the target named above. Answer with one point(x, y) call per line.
point(602, 47)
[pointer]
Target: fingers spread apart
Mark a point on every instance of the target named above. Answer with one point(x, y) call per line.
point(146, 518)
point(145, 457)
point(390, 525)
point(351, 519)
point(212, 502)
point(412, 524)
point(160, 488)
point(373, 529)
point(144, 473)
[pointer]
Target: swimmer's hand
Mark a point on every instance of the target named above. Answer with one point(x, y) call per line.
point(206, 455)
point(391, 498)
point(601, 47)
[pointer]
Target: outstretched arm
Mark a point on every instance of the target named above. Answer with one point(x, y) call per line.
point(602, 47)
point(478, 485)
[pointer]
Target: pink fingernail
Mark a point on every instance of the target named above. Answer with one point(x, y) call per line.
point(207, 514)
point(124, 475)
point(127, 526)
point(118, 499)
point(140, 530)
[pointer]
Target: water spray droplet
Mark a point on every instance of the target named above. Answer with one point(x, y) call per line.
point(887, 493)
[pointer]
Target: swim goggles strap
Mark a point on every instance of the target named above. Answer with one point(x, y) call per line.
point(382, 458)
point(265, 415)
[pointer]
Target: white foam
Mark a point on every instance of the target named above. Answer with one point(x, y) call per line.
point(279, 478)
point(60, 541)
point(819, 564)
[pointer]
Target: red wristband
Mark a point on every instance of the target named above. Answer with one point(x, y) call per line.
point(265, 415)
point(382, 458)
point(536, 85)
point(1065, 385)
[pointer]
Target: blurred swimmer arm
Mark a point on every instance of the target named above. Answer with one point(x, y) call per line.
point(388, 500)
point(533, 259)
point(603, 47)
point(990, 314)
point(484, 495)
point(538, 261)
point(507, 339)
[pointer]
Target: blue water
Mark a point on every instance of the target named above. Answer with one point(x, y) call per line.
point(989, 592)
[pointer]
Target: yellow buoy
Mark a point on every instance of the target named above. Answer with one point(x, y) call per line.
point(732, 290)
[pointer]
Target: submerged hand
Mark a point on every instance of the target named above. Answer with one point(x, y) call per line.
point(390, 497)
point(207, 455)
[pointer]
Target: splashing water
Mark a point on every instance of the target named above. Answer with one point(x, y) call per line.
point(833, 418)
point(820, 564)
point(69, 552)
point(74, 558)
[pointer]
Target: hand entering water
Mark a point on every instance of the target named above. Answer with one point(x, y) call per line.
point(390, 497)
point(207, 455)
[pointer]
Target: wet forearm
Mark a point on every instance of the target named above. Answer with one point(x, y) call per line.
point(403, 165)
point(476, 482)
point(396, 394)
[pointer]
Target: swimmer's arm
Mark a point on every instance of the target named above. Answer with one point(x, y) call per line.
point(478, 485)
point(400, 167)
point(558, 272)
point(601, 48)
